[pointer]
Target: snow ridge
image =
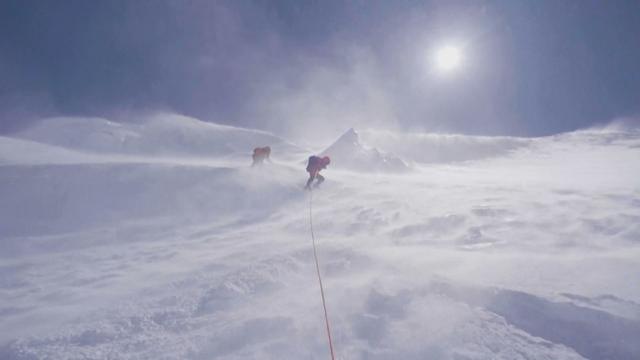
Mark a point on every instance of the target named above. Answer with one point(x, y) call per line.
point(158, 135)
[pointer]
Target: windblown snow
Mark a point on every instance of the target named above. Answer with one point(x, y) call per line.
point(157, 240)
point(349, 153)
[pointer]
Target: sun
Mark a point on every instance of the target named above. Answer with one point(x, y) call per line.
point(447, 58)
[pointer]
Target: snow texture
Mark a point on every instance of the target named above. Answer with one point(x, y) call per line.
point(157, 240)
point(349, 153)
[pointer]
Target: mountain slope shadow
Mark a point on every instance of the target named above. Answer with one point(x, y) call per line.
point(592, 333)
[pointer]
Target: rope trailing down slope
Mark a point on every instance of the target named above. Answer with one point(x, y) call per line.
point(315, 256)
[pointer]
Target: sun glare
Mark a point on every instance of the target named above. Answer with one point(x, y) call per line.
point(447, 58)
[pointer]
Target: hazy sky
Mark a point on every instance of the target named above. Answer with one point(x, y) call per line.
point(529, 67)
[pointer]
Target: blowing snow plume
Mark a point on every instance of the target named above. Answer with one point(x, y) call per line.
point(182, 259)
point(157, 135)
point(157, 239)
point(347, 152)
point(442, 148)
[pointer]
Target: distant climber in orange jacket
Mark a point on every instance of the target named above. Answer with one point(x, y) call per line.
point(314, 166)
point(260, 154)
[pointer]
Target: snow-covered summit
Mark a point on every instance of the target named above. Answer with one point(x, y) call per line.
point(348, 152)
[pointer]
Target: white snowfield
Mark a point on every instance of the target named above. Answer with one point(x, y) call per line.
point(157, 240)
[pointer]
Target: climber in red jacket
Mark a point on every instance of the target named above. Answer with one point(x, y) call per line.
point(260, 154)
point(314, 166)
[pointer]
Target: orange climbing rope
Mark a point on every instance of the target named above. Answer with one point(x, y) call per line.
point(315, 255)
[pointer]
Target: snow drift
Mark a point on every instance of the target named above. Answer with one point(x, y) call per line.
point(39, 200)
point(108, 250)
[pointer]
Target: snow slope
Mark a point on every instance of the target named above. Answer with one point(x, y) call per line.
point(108, 252)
